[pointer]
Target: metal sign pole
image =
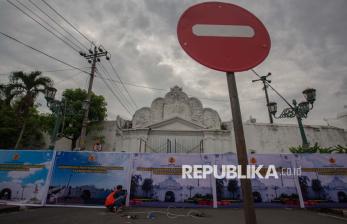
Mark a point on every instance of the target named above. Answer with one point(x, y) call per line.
point(249, 212)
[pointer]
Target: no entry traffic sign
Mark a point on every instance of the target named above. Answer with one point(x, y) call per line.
point(223, 36)
point(227, 38)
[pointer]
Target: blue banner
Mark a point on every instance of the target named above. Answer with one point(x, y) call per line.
point(323, 182)
point(86, 178)
point(157, 181)
point(24, 176)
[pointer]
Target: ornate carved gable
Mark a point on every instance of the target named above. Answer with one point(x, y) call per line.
point(176, 123)
point(176, 103)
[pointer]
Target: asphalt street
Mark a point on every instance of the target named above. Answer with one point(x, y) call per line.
point(214, 216)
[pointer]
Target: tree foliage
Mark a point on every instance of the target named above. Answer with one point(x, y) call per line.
point(10, 127)
point(318, 149)
point(73, 101)
point(20, 121)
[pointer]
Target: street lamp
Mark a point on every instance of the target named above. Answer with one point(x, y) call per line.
point(299, 111)
point(310, 95)
point(272, 106)
point(50, 93)
point(56, 107)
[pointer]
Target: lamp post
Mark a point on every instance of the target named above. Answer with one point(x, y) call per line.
point(56, 107)
point(299, 111)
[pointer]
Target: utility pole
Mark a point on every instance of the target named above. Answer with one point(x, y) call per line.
point(265, 81)
point(93, 57)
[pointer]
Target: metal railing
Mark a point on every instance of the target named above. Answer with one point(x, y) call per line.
point(170, 147)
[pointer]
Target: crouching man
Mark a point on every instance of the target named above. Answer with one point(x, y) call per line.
point(116, 199)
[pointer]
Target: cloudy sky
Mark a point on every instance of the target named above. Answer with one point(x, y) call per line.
point(308, 50)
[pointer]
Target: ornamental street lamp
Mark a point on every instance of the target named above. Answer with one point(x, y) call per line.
point(50, 93)
point(299, 111)
point(56, 107)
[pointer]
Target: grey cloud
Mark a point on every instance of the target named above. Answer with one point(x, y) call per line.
point(308, 50)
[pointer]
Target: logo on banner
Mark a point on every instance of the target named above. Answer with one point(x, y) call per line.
point(172, 160)
point(91, 158)
point(332, 160)
point(15, 156)
point(253, 160)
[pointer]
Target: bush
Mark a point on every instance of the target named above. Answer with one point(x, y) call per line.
point(317, 149)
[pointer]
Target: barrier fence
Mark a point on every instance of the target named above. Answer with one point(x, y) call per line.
point(59, 178)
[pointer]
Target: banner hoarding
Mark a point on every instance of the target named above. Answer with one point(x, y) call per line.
point(86, 178)
point(157, 181)
point(24, 176)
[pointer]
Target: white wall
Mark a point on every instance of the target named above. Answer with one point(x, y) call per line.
point(262, 138)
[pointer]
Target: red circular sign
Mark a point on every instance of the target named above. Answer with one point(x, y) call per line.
point(223, 36)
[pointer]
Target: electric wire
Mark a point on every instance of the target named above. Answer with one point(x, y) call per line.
point(117, 97)
point(160, 89)
point(273, 89)
point(74, 67)
point(43, 20)
point(61, 70)
point(53, 20)
point(106, 73)
point(61, 16)
point(21, 10)
point(75, 76)
point(116, 72)
point(113, 68)
point(44, 53)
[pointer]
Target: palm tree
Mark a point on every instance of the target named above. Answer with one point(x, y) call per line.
point(6, 94)
point(27, 87)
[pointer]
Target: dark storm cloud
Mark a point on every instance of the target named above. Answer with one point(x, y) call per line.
point(308, 50)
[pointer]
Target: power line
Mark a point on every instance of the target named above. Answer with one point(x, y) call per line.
point(61, 70)
point(106, 73)
point(107, 85)
point(159, 89)
point(43, 20)
point(52, 57)
point(118, 90)
point(273, 89)
point(67, 21)
point(67, 43)
point(49, 71)
point(42, 11)
point(75, 76)
point(116, 72)
point(136, 85)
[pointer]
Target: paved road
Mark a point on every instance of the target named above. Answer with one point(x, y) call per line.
point(213, 216)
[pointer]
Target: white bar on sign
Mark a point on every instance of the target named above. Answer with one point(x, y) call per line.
point(210, 30)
